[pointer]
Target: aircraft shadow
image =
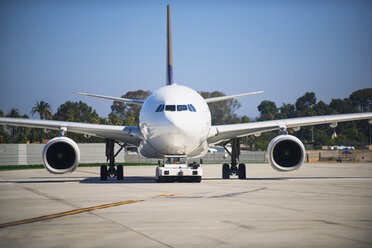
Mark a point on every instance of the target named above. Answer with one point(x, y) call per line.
point(127, 180)
point(41, 181)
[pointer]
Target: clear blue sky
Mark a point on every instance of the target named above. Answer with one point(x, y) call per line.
point(50, 49)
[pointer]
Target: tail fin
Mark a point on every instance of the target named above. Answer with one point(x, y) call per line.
point(169, 50)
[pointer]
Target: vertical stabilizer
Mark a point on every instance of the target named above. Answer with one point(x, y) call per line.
point(169, 50)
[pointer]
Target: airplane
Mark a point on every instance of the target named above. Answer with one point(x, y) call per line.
point(175, 124)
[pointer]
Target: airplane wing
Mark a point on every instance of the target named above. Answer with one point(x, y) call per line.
point(223, 98)
point(125, 134)
point(226, 132)
point(117, 99)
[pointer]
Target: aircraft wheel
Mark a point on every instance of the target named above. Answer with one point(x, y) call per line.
point(242, 172)
point(104, 172)
point(225, 171)
point(119, 172)
point(197, 179)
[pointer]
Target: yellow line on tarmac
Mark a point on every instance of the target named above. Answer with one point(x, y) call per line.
point(165, 195)
point(76, 211)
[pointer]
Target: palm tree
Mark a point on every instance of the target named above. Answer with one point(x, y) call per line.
point(43, 108)
point(14, 113)
point(45, 112)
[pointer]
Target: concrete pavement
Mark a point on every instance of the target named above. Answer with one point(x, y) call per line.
point(328, 205)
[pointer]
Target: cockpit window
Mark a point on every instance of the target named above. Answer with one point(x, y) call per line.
point(170, 107)
point(173, 108)
point(191, 107)
point(181, 108)
point(160, 108)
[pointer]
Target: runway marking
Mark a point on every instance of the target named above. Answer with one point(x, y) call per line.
point(165, 195)
point(76, 211)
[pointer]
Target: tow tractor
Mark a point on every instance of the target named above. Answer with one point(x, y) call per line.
point(175, 168)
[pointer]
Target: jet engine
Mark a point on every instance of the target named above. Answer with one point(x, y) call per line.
point(61, 155)
point(286, 153)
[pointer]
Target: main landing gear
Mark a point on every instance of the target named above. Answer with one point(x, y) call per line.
point(234, 168)
point(110, 155)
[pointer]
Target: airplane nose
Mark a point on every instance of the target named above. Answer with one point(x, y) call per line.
point(175, 137)
point(178, 125)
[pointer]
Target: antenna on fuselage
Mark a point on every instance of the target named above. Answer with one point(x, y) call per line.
point(169, 50)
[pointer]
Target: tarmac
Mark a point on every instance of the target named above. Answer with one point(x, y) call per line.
point(319, 205)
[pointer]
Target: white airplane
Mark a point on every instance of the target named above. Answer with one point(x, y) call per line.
point(175, 123)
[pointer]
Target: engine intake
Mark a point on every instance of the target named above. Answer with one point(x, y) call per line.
point(61, 155)
point(286, 153)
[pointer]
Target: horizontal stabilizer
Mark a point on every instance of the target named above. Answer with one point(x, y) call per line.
point(117, 99)
point(223, 98)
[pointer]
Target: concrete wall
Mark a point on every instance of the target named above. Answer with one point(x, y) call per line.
point(22, 154)
point(13, 154)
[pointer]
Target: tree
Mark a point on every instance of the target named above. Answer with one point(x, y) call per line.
point(321, 137)
point(77, 112)
point(305, 103)
point(305, 107)
point(245, 119)
point(43, 109)
point(130, 120)
point(45, 112)
point(286, 111)
point(323, 109)
point(114, 119)
point(342, 106)
point(5, 136)
point(223, 112)
point(268, 110)
point(123, 109)
point(13, 113)
point(362, 99)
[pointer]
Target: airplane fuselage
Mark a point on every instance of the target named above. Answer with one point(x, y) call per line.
point(174, 119)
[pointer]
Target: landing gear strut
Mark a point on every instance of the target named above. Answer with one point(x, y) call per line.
point(233, 168)
point(110, 155)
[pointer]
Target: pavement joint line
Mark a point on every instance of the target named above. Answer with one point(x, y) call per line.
point(133, 230)
point(75, 211)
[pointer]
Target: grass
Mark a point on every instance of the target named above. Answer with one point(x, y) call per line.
point(40, 166)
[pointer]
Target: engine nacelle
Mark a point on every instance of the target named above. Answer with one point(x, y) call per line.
point(286, 153)
point(61, 155)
